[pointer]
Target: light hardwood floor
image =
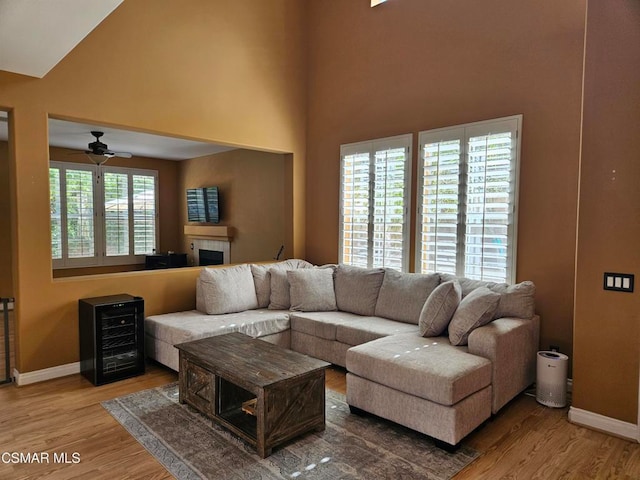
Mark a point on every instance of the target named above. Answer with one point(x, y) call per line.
point(524, 441)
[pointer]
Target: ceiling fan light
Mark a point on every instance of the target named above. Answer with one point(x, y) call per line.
point(98, 159)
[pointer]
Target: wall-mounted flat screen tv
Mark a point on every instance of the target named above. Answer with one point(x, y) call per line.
point(203, 205)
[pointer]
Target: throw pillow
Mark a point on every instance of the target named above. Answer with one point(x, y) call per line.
point(279, 299)
point(516, 300)
point(262, 283)
point(402, 295)
point(439, 308)
point(468, 285)
point(357, 289)
point(226, 290)
point(262, 277)
point(475, 310)
point(311, 290)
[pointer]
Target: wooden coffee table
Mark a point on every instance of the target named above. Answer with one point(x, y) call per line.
point(261, 392)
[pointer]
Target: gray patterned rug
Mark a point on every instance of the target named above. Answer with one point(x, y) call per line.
point(351, 447)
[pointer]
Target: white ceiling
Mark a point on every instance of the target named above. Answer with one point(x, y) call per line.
point(36, 34)
point(77, 136)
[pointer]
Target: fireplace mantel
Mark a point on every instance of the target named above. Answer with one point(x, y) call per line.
point(221, 232)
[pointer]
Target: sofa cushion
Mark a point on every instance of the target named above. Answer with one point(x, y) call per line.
point(179, 327)
point(516, 300)
point(279, 298)
point(365, 329)
point(467, 285)
point(262, 277)
point(357, 289)
point(311, 290)
point(475, 310)
point(427, 368)
point(226, 290)
point(402, 295)
point(439, 308)
point(321, 324)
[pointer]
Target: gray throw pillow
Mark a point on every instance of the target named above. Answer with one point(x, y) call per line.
point(439, 308)
point(262, 283)
point(262, 277)
point(475, 310)
point(468, 285)
point(402, 295)
point(516, 300)
point(279, 298)
point(357, 289)
point(226, 290)
point(311, 290)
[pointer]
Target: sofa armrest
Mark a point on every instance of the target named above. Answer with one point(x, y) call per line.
point(511, 344)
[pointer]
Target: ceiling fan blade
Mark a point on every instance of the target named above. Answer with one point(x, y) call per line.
point(120, 154)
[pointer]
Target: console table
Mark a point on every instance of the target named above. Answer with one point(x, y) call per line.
point(165, 260)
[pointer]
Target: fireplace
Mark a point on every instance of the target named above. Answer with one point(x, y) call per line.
point(201, 241)
point(210, 257)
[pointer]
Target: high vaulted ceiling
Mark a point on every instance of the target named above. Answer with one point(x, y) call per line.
point(36, 34)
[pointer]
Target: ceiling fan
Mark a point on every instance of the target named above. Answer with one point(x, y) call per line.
point(99, 152)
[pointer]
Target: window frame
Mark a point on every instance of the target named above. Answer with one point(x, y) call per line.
point(100, 257)
point(463, 133)
point(370, 148)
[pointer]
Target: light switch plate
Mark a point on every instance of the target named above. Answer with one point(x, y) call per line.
point(619, 282)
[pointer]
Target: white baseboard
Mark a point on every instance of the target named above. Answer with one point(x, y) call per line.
point(45, 374)
point(626, 430)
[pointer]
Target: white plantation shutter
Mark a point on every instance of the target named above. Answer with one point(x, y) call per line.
point(73, 228)
point(467, 226)
point(490, 200)
point(355, 209)
point(438, 222)
point(80, 224)
point(101, 215)
point(144, 214)
point(55, 205)
point(116, 213)
point(374, 202)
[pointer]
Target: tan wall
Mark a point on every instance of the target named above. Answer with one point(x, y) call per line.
point(607, 324)
point(6, 280)
point(251, 189)
point(412, 65)
point(218, 70)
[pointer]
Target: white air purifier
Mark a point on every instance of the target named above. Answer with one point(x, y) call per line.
point(551, 384)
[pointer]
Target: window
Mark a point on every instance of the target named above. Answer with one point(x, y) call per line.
point(467, 192)
point(101, 215)
point(374, 203)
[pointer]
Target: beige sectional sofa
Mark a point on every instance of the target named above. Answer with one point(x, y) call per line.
point(433, 352)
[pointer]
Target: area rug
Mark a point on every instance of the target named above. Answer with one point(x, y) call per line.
point(351, 446)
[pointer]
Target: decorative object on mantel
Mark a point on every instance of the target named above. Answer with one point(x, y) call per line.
point(189, 446)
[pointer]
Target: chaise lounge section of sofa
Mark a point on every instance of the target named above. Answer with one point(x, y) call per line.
point(434, 352)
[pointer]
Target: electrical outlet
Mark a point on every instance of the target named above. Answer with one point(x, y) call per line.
point(619, 282)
